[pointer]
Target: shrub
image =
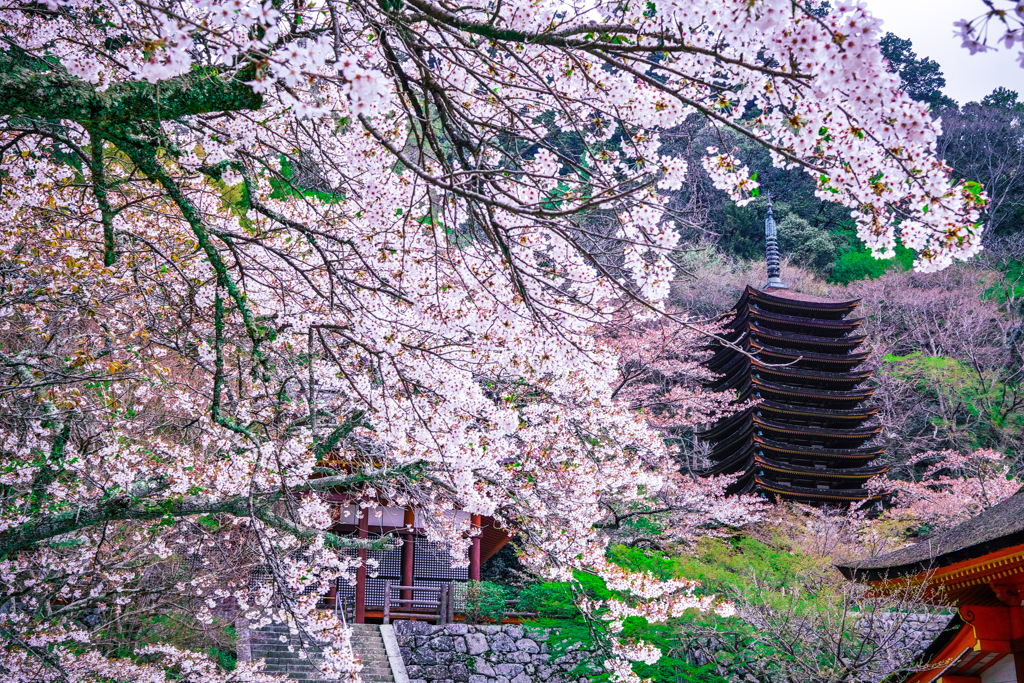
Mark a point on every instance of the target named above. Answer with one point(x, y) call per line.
point(858, 264)
point(484, 602)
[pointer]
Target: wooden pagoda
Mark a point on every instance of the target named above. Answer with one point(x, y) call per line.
point(808, 437)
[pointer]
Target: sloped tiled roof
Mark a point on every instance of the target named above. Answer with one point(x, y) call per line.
point(1000, 526)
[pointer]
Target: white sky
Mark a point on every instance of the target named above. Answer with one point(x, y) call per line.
point(929, 25)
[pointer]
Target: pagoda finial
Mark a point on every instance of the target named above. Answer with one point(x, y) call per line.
point(771, 235)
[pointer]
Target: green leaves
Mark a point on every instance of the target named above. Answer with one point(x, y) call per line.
point(973, 187)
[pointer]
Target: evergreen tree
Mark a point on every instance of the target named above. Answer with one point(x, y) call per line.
point(922, 76)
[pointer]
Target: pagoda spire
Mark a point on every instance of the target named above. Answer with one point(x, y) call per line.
point(771, 235)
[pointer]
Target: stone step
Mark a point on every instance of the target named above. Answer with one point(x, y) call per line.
point(314, 651)
point(366, 642)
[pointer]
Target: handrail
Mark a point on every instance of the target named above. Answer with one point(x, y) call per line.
point(443, 603)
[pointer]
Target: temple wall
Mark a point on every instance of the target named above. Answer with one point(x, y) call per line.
point(462, 653)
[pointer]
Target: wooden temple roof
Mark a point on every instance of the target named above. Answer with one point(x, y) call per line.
point(809, 341)
point(978, 568)
point(831, 434)
point(795, 302)
point(864, 453)
point(835, 326)
point(993, 530)
point(811, 494)
point(810, 377)
point(857, 415)
point(729, 424)
point(790, 355)
point(797, 392)
point(861, 473)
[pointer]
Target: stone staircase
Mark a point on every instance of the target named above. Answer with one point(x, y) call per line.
point(266, 644)
point(369, 647)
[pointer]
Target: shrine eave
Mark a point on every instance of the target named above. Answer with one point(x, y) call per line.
point(992, 530)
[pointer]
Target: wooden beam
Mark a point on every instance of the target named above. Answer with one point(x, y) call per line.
point(959, 679)
point(474, 551)
point(364, 532)
point(408, 553)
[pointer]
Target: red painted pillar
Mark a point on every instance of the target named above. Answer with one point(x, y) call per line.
point(474, 550)
point(364, 532)
point(408, 555)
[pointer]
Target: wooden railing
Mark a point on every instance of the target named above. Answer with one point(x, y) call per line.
point(441, 608)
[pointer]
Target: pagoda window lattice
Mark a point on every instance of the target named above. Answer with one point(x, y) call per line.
point(811, 435)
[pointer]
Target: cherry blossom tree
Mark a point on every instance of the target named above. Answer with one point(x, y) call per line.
point(255, 254)
point(951, 487)
point(663, 378)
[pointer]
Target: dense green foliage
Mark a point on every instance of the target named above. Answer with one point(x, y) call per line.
point(484, 602)
point(727, 568)
point(922, 77)
point(856, 263)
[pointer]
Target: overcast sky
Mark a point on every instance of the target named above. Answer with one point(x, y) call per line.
point(929, 24)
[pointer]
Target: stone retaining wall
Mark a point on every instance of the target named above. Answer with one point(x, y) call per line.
point(462, 653)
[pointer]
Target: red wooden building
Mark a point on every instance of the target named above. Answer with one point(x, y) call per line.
point(418, 563)
point(977, 566)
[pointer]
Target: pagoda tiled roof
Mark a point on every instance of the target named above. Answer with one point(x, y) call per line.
point(794, 301)
point(856, 434)
point(727, 424)
point(810, 341)
point(861, 473)
point(857, 414)
point(812, 392)
point(809, 494)
point(863, 453)
point(797, 355)
point(844, 325)
point(811, 375)
point(736, 360)
point(740, 460)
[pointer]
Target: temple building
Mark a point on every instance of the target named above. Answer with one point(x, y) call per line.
point(387, 589)
point(808, 434)
point(977, 566)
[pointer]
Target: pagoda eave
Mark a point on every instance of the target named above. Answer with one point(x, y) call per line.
point(868, 453)
point(820, 495)
point(858, 415)
point(862, 473)
point(801, 430)
point(807, 340)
